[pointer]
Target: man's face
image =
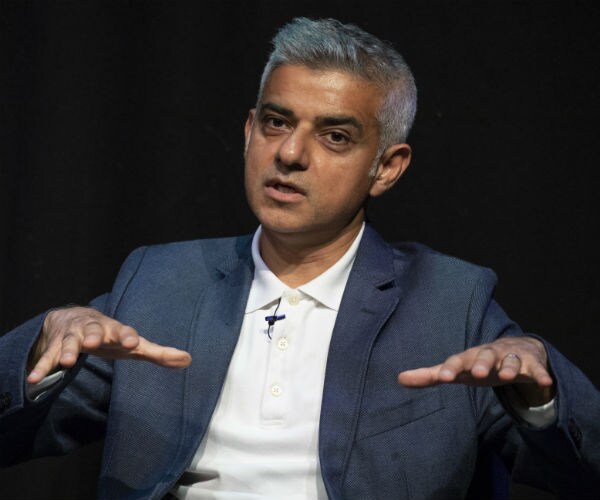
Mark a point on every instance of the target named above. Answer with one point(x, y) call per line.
point(310, 145)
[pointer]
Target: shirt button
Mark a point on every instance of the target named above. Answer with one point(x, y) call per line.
point(276, 390)
point(282, 343)
point(293, 298)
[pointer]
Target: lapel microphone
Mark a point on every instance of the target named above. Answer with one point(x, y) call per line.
point(273, 318)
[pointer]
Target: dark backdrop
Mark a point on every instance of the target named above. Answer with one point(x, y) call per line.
point(121, 125)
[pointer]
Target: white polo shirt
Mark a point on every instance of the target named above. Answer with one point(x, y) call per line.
point(262, 441)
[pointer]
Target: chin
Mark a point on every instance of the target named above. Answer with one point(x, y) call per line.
point(280, 221)
point(283, 228)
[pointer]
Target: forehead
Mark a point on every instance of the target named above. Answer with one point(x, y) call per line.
point(310, 93)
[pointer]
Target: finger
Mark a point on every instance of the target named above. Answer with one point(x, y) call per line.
point(128, 337)
point(109, 335)
point(40, 370)
point(485, 360)
point(47, 362)
point(161, 355)
point(70, 349)
point(541, 376)
point(93, 334)
point(510, 367)
point(420, 377)
point(453, 366)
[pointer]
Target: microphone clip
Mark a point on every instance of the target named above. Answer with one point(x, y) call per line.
point(272, 318)
point(275, 317)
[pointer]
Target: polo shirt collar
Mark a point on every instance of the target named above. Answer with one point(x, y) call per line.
point(327, 288)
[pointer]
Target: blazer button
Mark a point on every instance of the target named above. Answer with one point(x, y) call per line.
point(575, 432)
point(5, 400)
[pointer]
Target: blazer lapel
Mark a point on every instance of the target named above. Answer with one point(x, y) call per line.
point(371, 296)
point(215, 331)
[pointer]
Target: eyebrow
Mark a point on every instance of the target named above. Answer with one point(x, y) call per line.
point(288, 113)
point(322, 121)
point(332, 121)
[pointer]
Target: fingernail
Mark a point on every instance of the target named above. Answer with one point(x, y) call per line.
point(446, 373)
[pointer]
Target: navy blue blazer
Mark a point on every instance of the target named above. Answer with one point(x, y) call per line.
point(402, 308)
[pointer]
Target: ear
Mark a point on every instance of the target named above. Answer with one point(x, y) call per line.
point(248, 128)
point(394, 162)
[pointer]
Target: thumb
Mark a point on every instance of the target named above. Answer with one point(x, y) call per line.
point(419, 377)
point(161, 355)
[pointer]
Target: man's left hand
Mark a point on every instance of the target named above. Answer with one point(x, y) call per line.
point(521, 361)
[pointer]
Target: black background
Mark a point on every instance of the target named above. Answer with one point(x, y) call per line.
point(121, 125)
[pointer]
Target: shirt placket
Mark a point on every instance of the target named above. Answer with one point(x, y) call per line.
point(276, 391)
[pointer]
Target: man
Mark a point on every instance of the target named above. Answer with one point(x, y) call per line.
point(293, 338)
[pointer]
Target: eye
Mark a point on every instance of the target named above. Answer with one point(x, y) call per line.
point(274, 122)
point(274, 125)
point(338, 138)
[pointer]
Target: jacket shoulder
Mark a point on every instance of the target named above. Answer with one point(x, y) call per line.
point(179, 268)
point(434, 266)
point(203, 254)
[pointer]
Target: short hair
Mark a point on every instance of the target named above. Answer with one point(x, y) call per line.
point(329, 44)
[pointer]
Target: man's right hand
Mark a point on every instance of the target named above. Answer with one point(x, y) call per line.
point(70, 331)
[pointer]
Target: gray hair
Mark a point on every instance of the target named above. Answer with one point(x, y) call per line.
point(329, 44)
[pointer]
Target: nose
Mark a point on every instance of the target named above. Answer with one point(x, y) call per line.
point(292, 153)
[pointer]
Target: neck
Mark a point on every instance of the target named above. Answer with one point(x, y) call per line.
point(298, 258)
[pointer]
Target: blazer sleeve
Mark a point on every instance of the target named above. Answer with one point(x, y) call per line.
point(563, 457)
point(74, 411)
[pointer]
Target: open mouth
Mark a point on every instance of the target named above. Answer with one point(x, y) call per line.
point(284, 192)
point(282, 188)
